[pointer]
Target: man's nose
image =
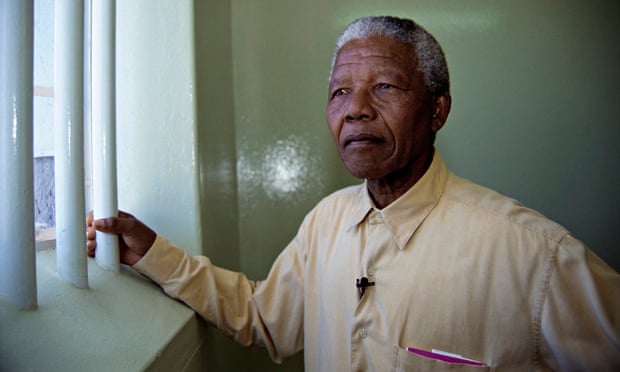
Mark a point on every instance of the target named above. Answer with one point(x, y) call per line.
point(360, 106)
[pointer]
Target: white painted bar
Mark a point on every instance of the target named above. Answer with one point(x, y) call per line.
point(17, 248)
point(69, 141)
point(105, 199)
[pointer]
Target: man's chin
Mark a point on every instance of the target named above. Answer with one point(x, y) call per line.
point(364, 171)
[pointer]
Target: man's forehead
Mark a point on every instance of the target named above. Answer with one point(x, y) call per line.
point(379, 50)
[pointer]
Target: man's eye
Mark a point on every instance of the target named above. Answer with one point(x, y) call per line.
point(384, 86)
point(339, 92)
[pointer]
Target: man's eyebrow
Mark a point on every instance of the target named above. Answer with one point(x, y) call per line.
point(391, 74)
point(338, 82)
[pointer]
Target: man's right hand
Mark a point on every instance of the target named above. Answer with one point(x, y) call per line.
point(134, 237)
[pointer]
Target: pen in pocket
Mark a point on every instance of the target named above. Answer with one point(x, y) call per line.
point(445, 356)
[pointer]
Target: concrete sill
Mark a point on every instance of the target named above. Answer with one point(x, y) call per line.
point(123, 322)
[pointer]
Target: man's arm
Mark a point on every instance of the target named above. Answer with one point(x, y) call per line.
point(581, 311)
point(267, 314)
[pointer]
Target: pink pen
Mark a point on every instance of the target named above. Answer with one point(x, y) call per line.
point(445, 357)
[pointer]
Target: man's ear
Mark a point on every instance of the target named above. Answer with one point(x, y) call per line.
point(442, 109)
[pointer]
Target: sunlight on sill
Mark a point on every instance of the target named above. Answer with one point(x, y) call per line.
point(45, 239)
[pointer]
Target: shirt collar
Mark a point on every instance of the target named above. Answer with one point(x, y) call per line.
point(403, 216)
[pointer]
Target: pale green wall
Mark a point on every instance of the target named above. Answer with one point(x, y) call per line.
point(156, 118)
point(535, 116)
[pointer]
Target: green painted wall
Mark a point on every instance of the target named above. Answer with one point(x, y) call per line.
point(156, 118)
point(535, 116)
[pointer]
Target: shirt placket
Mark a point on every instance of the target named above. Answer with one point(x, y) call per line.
point(366, 313)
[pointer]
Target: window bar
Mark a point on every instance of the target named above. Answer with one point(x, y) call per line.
point(17, 244)
point(103, 86)
point(69, 141)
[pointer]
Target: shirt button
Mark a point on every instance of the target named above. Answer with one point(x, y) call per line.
point(363, 333)
point(375, 218)
point(371, 272)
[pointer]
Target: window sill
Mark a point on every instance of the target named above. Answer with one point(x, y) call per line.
point(45, 239)
point(122, 322)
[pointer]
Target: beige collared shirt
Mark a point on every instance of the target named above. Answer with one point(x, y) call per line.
point(455, 267)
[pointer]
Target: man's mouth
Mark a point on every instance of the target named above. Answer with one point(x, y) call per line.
point(360, 139)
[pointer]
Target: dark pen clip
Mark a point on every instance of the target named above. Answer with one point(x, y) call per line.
point(362, 283)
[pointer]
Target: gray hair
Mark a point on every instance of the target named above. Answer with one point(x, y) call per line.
point(431, 59)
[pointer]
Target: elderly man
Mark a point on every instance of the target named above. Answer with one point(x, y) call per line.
point(415, 268)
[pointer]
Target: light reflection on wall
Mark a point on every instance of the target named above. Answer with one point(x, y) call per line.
point(285, 170)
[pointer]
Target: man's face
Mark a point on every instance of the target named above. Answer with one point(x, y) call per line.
point(379, 110)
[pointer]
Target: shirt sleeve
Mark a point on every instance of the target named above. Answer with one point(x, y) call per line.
point(581, 312)
point(267, 313)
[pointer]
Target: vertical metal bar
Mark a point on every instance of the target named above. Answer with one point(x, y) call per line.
point(88, 176)
point(17, 248)
point(105, 200)
point(69, 141)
